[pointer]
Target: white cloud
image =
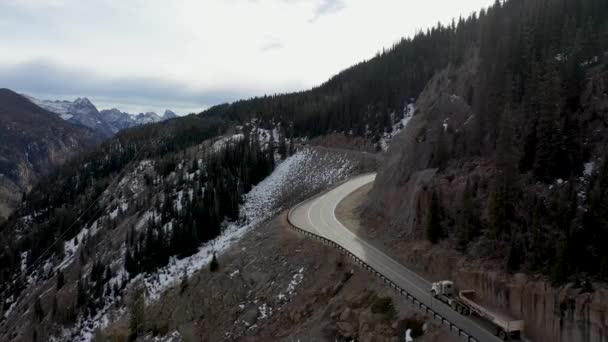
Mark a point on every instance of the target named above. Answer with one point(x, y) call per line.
point(327, 7)
point(246, 46)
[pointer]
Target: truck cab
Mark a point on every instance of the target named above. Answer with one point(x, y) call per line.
point(467, 303)
point(443, 288)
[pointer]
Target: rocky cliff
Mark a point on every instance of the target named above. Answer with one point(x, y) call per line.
point(559, 314)
point(440, 128)
point(447, 150)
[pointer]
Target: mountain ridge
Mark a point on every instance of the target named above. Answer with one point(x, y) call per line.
point(108, 122)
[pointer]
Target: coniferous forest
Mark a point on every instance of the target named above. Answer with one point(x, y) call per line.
point(220, 183)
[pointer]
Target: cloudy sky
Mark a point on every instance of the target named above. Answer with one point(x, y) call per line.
point(186, 55)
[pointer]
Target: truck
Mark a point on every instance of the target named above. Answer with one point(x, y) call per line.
point(467, 303)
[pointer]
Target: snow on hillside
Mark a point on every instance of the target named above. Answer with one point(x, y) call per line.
point(261, 203)
point(221, 143)
point(307, 168)
point(59, 107)
point(408, 113)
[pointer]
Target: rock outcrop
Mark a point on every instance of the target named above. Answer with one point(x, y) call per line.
point(438, 129)
point(561, 314)
point(441, 150)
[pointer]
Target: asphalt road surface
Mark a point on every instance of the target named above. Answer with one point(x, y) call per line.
point(317, 215)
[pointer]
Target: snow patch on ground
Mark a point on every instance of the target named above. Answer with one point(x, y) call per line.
point(589, 167)
point(295, 281)
point(85, 327)
point(264, 311)
point(221, 143)
point(71, 246)
point(260, 204)
point(172, 337)
point(408, 113)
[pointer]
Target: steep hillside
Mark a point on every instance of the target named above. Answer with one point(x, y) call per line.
point(32, 142)
point(502, 170)
point(156, 224)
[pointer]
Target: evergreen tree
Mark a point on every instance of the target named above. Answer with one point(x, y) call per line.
point(136, 315)
point(214, 265)
point(38, 312)
point(468, 228)
point(60, 280)
point(434, 230)
point(282, 148)
point(270, 153)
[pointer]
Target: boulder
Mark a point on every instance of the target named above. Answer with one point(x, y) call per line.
point(346, 314)
point(346, 329)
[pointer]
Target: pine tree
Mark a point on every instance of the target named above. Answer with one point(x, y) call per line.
point(38, 312)
point(80, 294)
point(136, 315)
point(270, 153)
point(60, 280)
point(515, 257)
point(549, 129)
point(282, 148)
point(468, 228)
point(54, 307)
point(214, 265)
point(501, 205)
point(434, 231)
point(184, 282)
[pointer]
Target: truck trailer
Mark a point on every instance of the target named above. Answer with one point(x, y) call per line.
point(466, 303)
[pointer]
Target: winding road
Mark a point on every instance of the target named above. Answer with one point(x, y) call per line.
point(317, 216)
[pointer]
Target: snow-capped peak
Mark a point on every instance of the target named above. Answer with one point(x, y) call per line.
point(82, 111)
point(83, 101)
point(169, 114)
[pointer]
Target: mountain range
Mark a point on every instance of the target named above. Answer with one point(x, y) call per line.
point(106, 122)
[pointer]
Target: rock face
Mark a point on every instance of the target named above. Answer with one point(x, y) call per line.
point(32, 141)
point(550, 314)
point(437, 151)
point(116, 119)
point(106, 122)
point(146, 118)
point(438, 129)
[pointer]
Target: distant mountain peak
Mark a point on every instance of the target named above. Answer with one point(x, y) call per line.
point(169, 114)
point(83, 101)
point(108, 121)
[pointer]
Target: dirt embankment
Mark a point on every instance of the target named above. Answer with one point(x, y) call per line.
point(550, 314)
point(277, 285)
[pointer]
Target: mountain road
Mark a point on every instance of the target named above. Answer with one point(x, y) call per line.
point(317, 216)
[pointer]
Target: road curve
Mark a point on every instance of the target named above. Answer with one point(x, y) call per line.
point(317, 216)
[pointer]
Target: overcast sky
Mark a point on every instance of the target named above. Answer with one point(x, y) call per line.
point(186, 55)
